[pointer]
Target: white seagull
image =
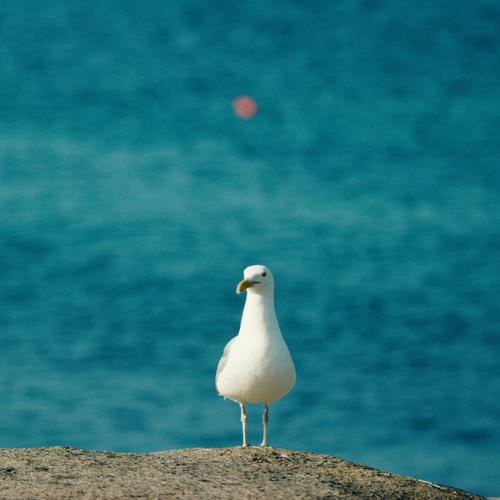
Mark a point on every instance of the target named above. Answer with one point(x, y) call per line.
point(256, 366)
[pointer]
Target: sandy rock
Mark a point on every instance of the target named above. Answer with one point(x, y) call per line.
point(64, 473)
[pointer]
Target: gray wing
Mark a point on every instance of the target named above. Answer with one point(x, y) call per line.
point(223, 359)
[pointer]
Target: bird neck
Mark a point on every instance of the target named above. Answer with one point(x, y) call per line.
point(259, 316)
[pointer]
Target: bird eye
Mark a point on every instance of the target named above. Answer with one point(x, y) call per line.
point(264, 273)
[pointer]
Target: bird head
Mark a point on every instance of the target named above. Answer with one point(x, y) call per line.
point(257, 279)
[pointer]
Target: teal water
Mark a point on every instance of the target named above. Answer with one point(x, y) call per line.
point(131, 199)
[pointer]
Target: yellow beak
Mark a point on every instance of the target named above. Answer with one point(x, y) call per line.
point(243, 285)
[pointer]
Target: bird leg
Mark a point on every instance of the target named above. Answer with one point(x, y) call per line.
point(265, 418)
point(244, 425)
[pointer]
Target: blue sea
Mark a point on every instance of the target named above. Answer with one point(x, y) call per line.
point(132, 198)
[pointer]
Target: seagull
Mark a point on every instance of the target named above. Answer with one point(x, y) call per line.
point(256, 366)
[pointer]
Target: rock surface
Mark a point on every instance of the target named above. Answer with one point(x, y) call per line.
point(63, 472)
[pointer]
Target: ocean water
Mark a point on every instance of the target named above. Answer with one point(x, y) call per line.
point(131, 199)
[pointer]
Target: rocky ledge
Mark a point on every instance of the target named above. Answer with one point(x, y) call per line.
point(63, 472)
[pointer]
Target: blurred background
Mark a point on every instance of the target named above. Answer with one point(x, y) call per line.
point(132, 197)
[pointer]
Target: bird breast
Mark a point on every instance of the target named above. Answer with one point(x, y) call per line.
point(257, 371)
